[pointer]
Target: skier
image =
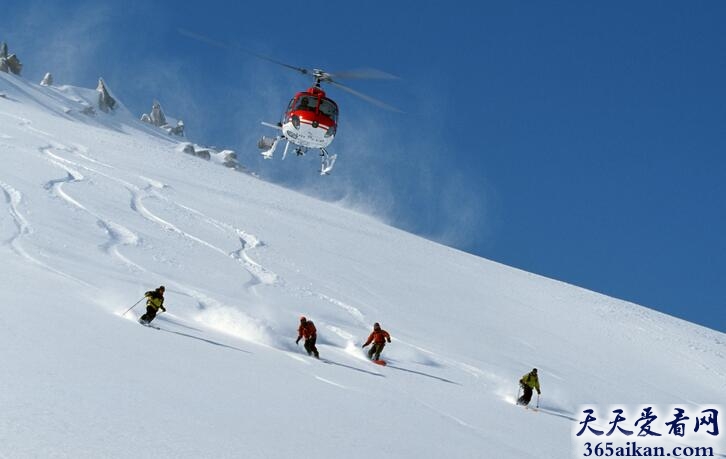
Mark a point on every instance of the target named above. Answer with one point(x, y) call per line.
point(528, 382)
point(154, 302)
point(307, 330)
point(378, 337)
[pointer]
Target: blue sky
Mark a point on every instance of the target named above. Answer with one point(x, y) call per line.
point(583, 141)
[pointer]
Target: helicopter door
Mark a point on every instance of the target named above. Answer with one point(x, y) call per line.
point(290, 107)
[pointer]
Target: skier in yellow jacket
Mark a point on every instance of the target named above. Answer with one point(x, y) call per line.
point(154, 302)
point(528, 382)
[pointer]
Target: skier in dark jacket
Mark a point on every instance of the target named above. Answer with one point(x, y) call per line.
point(378, 337)
point(528, 382)
point(307, 330)
point(154, 302)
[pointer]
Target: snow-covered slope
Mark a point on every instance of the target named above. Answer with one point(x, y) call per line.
point(96, 210)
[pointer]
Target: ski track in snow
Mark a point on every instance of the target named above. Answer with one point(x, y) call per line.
point(82, 151)
point(56, 185)
point(259, 274)
point(332, 383)
point(248, 242)
point(450, 417)
point(118, 234)
point(28, 125)
point(14, 199)
point(351, 310)
point(223, 317)
point(154, 183)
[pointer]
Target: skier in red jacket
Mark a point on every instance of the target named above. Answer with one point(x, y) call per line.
point(307, 330)
point(378, 337)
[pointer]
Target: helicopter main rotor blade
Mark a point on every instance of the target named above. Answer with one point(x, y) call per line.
point(319, 75)
point(219, 44)
point(369, 99)
point(364, 74)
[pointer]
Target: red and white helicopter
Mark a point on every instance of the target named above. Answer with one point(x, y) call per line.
point(311, 118)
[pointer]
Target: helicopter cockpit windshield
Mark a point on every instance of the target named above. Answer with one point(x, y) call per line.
point(329, 109)
point(308, 103)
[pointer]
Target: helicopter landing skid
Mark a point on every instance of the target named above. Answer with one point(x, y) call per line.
point(328, 161)
point(268, 145)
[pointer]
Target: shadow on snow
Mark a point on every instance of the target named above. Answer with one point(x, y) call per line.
point(372, 373)
point(216, 343)
point(424, 374)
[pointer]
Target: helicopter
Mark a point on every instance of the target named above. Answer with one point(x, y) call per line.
point(311, 118)
point(310, 121)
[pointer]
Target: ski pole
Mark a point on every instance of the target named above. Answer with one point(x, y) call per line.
point(132, 307)
point(537, 400)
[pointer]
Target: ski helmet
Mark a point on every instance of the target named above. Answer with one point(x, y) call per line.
point(302, 319)
point(376, 325)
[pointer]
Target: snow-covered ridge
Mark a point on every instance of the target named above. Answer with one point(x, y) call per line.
point(95, 210)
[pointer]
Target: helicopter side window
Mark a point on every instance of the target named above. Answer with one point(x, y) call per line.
point(307, 103)
point(329, 109)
